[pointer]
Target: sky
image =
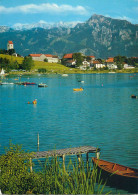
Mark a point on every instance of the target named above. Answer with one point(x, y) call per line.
point(54, 11)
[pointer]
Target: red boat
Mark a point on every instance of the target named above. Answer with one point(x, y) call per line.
point(28, 83)
point(117, 176)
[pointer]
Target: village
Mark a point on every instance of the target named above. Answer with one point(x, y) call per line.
point(79, 60)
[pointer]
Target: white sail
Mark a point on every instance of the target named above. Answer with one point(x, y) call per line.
point(2, 72)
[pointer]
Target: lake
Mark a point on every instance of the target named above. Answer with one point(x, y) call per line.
point(102, 115)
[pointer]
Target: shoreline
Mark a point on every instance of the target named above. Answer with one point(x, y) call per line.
point(73, 72)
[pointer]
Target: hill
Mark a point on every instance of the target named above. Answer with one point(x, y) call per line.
point(100, 36)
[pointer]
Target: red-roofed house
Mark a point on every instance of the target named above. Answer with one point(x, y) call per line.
point(10, 45)
point(52, 58)
point(68, 56)
point(97, 64)
point(110, 60)
point(69, 60)
point(110, 63)
point(92, 57)
point(41, 57)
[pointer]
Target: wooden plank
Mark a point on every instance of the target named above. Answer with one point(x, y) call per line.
point(66, 151)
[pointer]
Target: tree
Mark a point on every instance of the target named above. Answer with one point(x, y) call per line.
point(120, 60)
point(27, 63)
point(45, 60)
point(11, 51)
point(79, 58)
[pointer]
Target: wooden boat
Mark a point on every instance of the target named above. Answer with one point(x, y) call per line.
point(78, 89)
point(118, 176)
point(134, 96)
point(42, 85)
point(28, 83)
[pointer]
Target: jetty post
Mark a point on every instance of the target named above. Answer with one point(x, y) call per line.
point(79, 156)
point(98, 155)
point(63, 158)
point(38, 142)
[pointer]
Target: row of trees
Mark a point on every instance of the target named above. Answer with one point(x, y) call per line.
point(9, 65)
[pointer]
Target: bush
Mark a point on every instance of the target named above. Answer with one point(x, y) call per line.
point(42, 70)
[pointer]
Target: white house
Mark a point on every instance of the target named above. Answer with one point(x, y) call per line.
point(112, 66)
point(126, 66)
point(10, 45)
point(97, 64)
point(85, 65)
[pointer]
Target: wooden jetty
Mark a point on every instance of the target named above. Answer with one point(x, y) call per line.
point(65, 152)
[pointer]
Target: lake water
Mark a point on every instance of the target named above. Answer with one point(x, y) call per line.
point(103, 115)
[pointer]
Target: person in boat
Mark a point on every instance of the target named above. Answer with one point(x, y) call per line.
point(35, 101)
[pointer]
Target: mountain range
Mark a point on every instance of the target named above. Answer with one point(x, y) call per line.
point(99, 36)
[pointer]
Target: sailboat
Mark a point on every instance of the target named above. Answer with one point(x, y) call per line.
point(2, 72)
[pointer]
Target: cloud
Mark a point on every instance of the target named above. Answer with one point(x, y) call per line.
point(44, 8)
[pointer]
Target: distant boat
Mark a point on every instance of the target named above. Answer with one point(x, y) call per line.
point(7, 83)
point(28, 83)
point(42, 85)
point(2, 72)
point(80, 81)
point(64, 75)
point(116, 175)
point(78, 89)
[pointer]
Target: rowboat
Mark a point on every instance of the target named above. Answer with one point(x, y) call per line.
point(28, 83)
point(42, 85)
point(78, 89)
point(117, 175)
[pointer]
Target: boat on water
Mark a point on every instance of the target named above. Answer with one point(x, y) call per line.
point(80, 81)
point(28, 83)
point(78, 89)
point(118, 176)
point(42, 85)
point(64, 75)
point(6, 83)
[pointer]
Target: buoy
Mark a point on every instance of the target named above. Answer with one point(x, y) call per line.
point(133, 96)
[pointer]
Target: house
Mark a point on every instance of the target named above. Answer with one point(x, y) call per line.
point(69, 60)
point(41, 57)
point(126, 66)
point(52, 58)
point(71, 63)
point(92, 57)
point(85, 65)
point(97, 64)
point(10, 45)
point(68, 56)
point(110, 63)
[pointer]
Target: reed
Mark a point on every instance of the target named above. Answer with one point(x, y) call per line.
point(77, 178)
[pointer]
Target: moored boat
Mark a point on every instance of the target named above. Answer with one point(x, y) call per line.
point(78, 89)
point(6, 83)
point(28, 83)
point(117, 175)
point(65, 75)
point(42, 85)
